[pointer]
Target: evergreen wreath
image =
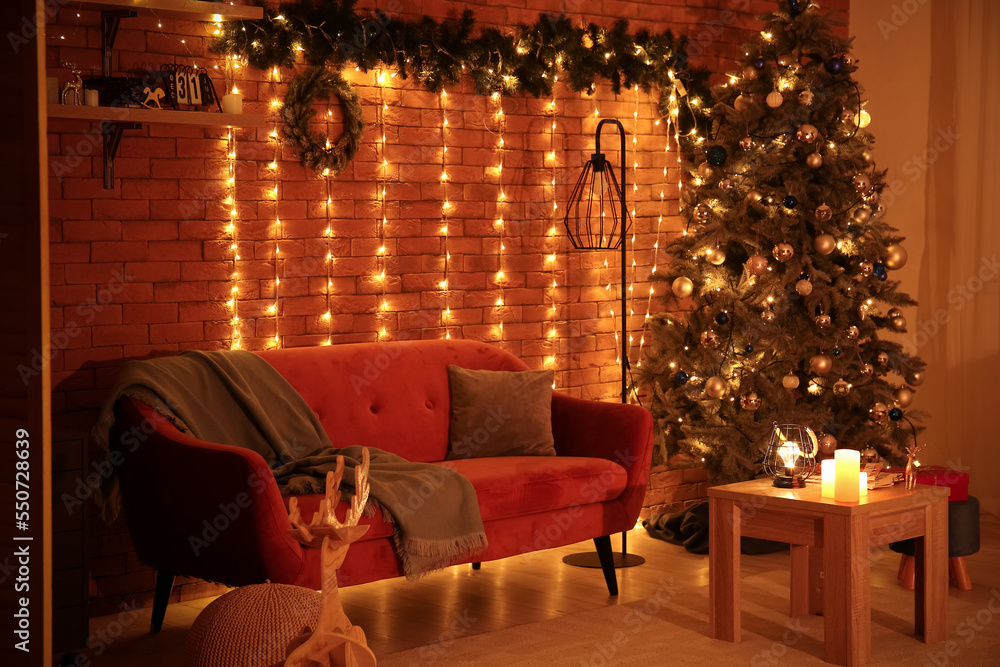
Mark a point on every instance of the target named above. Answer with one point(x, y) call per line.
point(314, 150)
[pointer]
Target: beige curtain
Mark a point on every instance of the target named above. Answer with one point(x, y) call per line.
point(958, 320)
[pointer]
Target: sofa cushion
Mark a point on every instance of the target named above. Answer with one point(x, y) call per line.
point(512, 486)
point(500, 413)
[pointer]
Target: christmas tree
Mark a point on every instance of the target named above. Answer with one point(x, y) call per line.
point(781, 288)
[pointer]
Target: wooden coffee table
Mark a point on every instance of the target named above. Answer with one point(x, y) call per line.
point(830, 545)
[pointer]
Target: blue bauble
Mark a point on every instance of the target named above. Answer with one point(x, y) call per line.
point(759, 64)
point(878, 267)
point(895, 414)
point(748, 349)
point(680, 378)
point(790, 201)
point(836, 352)
point(834, 65)
point(793, 8)
point(721, 318)
point(716, 155)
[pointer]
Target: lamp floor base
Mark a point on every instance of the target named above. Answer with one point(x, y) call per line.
point(591, 559)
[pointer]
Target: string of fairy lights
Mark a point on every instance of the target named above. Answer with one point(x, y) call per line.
point(277, 233)
point(382, 172)
point(552, 237)
point(500, 276)
point(445, 211)
point(236, 336)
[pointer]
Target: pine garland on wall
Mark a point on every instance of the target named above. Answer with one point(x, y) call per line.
point(524, 59)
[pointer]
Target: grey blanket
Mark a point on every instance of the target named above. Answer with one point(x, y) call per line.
point(236, 398)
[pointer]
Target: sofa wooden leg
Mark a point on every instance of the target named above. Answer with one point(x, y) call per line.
point(161, 598)
point(607, 559)
point(476, 566)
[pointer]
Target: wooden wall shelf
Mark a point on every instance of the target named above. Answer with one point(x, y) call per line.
point(192, 10)
point(158, 116)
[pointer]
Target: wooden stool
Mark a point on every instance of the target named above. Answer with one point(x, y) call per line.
point(963, 540)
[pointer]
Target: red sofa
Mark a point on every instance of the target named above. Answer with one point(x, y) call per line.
point(213, 511)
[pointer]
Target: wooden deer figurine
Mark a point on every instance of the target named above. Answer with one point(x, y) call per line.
point(335, 642)
point(911, 465)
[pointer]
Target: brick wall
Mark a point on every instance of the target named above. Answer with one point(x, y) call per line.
point(145, 269)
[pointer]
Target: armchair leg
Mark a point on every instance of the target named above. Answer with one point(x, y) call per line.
point(476, 566)
point(161, 598)
point(603, 545)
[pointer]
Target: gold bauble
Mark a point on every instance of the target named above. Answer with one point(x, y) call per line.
point(774, 99)
point(825, 244)
point(894, 312)
point(866, 268)
point(715, 387)
point(709, 338)
point(806, 97)
point(847, 116)
point(824, 213)
point(822, 320)
point(868, 157)
point(883, 359)
point(756, 265)
point(862, 183)
point(903, 396)
point(864, 119)
point(820, 364)
point(682, 287)
point(804, 287)
point(755, 196)
point(841, 388)
point(741, 103)
point(827, 444)
point(746, 143)
point(750, 401)
point(702, 211)
point(853, 333)
point(725, 185)
point(916, 378)
point(807, 134)
point(750, 72)
point(867, 370)
point(783, 252)
point(895, 257)
point(862, 215)
point(790, 381)
point(814, 160)
point(898, 323)
point(588, 41)
point(879, 412)
point(716, 256)
point(705, 170)
point(767, 316)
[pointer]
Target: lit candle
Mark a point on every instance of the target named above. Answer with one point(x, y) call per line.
point(863, 484)
point(848, 472)
point(829, 477)
point(233, 102)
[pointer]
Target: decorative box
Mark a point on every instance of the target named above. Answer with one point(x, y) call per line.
point(958, 482)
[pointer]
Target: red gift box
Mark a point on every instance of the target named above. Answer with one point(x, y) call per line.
point(958, 482)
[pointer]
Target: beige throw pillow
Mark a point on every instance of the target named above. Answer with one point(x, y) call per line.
point(500, 413)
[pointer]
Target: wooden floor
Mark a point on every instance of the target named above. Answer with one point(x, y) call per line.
point(456, 602)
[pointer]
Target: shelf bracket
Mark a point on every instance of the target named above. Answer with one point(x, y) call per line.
point(109, 31)
point(112, 137)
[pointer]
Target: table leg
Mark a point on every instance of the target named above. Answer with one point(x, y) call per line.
point(847, 594)
point(815, 580)
point(930, 596)
point(800, 588)
point(724, 569)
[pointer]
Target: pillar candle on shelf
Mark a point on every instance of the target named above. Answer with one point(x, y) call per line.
point(91, 98)
point(847, 489)
point(863, 484)
point(232, 103)
point(829, 477)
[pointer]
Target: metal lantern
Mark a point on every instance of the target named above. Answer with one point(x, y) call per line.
point(791, 455)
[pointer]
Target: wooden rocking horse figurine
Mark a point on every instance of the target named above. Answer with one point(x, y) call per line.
point(335, 642)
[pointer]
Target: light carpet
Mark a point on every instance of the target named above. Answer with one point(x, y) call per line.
point(670, 627)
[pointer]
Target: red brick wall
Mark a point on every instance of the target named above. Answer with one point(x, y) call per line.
point(144, 269)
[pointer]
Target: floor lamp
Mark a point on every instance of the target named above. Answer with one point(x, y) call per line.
point(588, 228)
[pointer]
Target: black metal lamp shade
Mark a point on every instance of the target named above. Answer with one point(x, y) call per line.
point(596, 216)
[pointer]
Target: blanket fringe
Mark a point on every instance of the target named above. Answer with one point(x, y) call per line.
point(435, 554)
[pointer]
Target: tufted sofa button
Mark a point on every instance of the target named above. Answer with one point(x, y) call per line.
point(429, 405)
point(374, 409)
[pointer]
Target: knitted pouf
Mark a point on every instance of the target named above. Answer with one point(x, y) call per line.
point(251, 626)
